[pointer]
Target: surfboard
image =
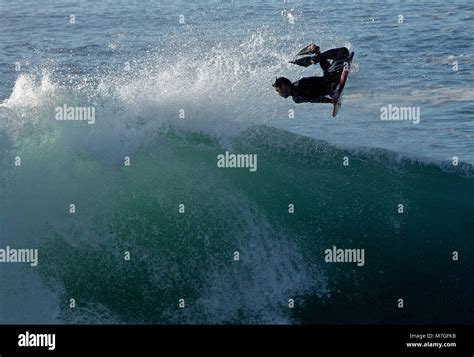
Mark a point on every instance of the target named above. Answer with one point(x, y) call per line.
point(337, 97)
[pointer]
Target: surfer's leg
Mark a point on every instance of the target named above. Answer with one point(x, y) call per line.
point(324, 63)
point(334, 53)
point(338, 56)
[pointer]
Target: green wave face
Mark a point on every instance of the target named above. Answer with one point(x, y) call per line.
point(344, 199)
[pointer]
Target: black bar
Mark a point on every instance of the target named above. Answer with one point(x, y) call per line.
point(301, 338)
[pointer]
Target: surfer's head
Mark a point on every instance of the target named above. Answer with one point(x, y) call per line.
point(283, 86)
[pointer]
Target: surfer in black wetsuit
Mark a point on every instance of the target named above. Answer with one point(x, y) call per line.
point(315, 89)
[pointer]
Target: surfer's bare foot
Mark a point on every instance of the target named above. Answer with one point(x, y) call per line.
point(315, 59)
point(313, 49)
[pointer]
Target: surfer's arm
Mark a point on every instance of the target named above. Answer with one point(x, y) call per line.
point(322, 100)
point(298, 100)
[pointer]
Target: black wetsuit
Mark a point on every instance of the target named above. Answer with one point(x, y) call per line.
point(319, 89)
point(311, 89)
